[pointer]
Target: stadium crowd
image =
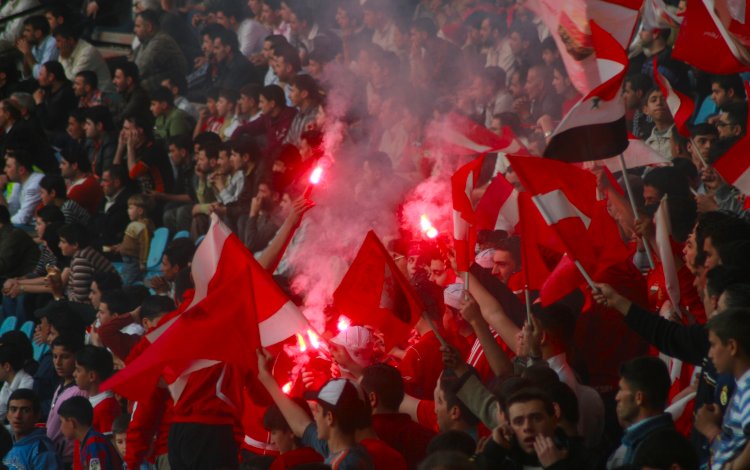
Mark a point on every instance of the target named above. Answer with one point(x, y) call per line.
point(118, 161)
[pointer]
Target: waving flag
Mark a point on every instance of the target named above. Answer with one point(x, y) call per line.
point(657, 15)
point(498, 207)
point(595, 128)
point(568, 23)
point(678, 103)
point(463, 183)
point(237, 308)
point(459, 135)
point(710, 44)
point(374, 292)
point(734, 165)
point(664, 246)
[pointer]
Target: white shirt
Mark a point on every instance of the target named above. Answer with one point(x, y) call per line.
point(21, 380)
point(24, 199)
point(590, 404)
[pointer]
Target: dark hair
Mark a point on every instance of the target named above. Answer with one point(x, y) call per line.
point(107, 280)
point(452, 441)
point(426, 25)
point(668, 180)
point(66, 31)
point(130, 70)
point(142, 121)
point(290, 55)
point(720, 277)
point(566, 399)
point(512, 245)
point(704, 129)
point(229, 94)
point(447, 460)
point(11, 354)
point(730, 230)
point(22, 158)
point(118, 172)
point(449, 384)
point(178, 81)
point(75, 234)
point(50, 213)
point(273, 419)
point(180, 252)
point(27, 394)
point(70, 342)
point(54, 183)
point(117, 301)
point(386, 382)
point(96, 359)
point(730, 82)
point(181, 141)
point(151, 17)
point(155, 306)
point(664, 448)
point(100, 115)
point(528, 394)
point(639, 82)
point(732, 324)
point(74, 154)
point(78, 408)
point(228, 38)
point(38, 23)
point(21, 348)
point(306, 83)
point(246, 146)
point(737, 113)
point(275, 40)
point(650, 376)
point(274, 93)
point(120, 424)
point(162, 95)
point(79, 114)
point(251, 90)
point(89, 77)
point(558, 320)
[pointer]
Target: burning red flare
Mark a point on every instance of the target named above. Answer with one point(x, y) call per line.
point(314, 339)
point(427, 229)
point(301, 343)
point(343, 323)
point(287, 388)
point(316, 175)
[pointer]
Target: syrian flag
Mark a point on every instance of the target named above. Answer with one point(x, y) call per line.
point(459, 135)
point(713, 43)
point(734, 165)
point(463, 183)
point(237, 308)
point(679, 104)
point(657, 15)
point(569, 24)
point(375, 292)
point(595, 128)
point(498, 207)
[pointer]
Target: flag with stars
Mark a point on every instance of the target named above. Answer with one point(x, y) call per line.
point(595, 128)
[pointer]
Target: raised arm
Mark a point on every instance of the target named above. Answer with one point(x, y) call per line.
point(294, 415)
point(493, 312)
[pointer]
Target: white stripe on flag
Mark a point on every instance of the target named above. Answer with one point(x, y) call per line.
point(460, 227)
point(287, 321)
point(743, 182)
point(555, 206)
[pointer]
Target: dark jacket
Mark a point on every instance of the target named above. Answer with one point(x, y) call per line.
point(53, 111)
point(236, 72)
point(274, 129)
point(109, 226)
point(18, 252)
point(496, 457)
point(134, 102)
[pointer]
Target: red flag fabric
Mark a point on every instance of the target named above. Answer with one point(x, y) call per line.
point(702, 30)
point(238, 310)
point(568, 23)
point(459, 135)
point(374, 292)
point(636, 155)
point(679, 104)
point(666, 255)
point(595, 127)
point(540, 246)
point(734, 165)
point(498, 207)
point(657, 15)
point(463, 182)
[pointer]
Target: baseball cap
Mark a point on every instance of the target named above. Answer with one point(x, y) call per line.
point(340, 394)
point(484, 258)
point(359, 342)
point(453, 295)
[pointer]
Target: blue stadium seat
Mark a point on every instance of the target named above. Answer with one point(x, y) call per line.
point(156, 251)
point(28, 329)
point(181, 234)
point(9, 324)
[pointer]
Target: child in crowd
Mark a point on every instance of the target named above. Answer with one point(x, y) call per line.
point(12, 375)
point(136, 242)
point(93, 366)
point(120, 433)
point(291, 449)
point(96, 452)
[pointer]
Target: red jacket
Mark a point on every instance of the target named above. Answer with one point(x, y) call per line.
point(106, 410)
point(88, 194)
point(115, 340)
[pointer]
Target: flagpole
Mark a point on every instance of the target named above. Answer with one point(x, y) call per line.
point(697, 152)
point(435, 330)
point(528, 303)
point(586, 276)
point(635, 208)
point(466, 281)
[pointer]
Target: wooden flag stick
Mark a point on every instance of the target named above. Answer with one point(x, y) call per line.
point(435, 330)
point(528, 304)
point(586, 276)
point(629, 190)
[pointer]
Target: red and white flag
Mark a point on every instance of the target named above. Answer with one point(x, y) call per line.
point(498, 207)
point(636, 155)
point(463, 183)
point(678, 103)
point(595, 127)
point(459, 135)
point(374, 292)
point(714, 37)
point(237, 308)
point(568, 23)
point(657, 15)
point(734, 165)
point(666, 254)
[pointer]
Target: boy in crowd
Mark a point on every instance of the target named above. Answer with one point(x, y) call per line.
point(120, 434)
point(94, 365)
point(97, 453)
point(12, 374)
point(136, 242)
point(291, 449)
point(32, 448)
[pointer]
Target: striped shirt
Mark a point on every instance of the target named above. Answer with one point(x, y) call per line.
point(85, 263)
point(736, 425)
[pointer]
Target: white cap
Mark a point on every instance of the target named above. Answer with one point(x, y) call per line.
point(453, 295)
point(484, 258)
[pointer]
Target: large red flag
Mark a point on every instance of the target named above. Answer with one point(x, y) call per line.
point(498, 207)
point(540, 246)
point(459, 135)
point(678, 103)
point(710, 44)
point(463, 183)
point(734, 165)
point(374, 292)
point(595, 128)
point(234, 311)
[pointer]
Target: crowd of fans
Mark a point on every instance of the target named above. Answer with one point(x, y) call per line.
point(224, 108)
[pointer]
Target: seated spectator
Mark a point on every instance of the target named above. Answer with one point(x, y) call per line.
point(305, 96)
point(23, 130)
point(82, 187)
point(233, 68)
point(242, 162)
point(247, 109)
point(200, 78)
point(169, 120)
point(53, 192)
point(77, 55)
point(31, 446)
point(205, 196)
point(93, 366)
point(75, 133)
point(292, 451)
point(86, 88)
point(101, 143)
point(177, 256)
point(85, 262)
point(36, 44)
point(77, 415)
point(250, 32)
point(178, 206)
point(264, 219)
point(158, 55)
point(136, 242)
point(25, 195)
point(146, 159)
point(54, 99)
point(119, 328)
point(226, 118)
point(178, 86)
point(286, 64)
point(111, 217)
point(134, 100)
point(275, 122)
point(14, 356)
